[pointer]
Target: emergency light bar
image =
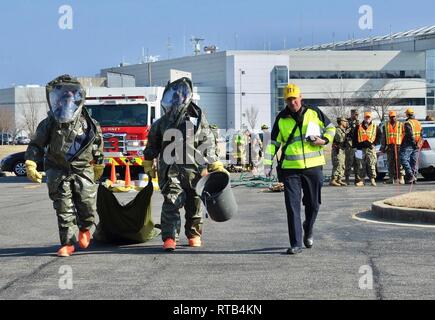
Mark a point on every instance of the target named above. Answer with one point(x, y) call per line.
point(117, 98)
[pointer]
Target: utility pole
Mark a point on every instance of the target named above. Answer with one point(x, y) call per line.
point(242, 72)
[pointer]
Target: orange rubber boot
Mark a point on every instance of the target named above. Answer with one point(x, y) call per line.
point(66, 251)
point(195, 242)
point(84, 239)
point(169, 244)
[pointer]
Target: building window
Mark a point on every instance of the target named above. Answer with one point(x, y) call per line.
point(279, 82)
point(430, 79)
point(383, 74)
point(366, 102)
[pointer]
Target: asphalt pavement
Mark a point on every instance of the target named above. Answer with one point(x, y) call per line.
point(241, 259)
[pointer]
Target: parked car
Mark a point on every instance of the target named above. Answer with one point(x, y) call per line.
point(6, 138)
point(426, 163)
point(381, 164)
point(16, 163)
point(22, 140)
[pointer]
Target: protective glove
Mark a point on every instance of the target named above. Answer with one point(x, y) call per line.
point(98, 171)
point(148, 167)
point(32, 173)
point(217, 167)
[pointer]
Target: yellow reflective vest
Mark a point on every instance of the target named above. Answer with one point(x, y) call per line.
point(299, 154)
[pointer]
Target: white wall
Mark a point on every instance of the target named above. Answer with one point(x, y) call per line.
point(208, 70)
point(330, 88)
point(356, 60)
point(255, 83)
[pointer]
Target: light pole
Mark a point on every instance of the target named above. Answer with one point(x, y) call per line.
point(242, 72)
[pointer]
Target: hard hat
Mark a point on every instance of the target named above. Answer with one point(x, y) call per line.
point(409, 111)
point(367, 114)
point(392, 114)
point(292, 91)
point(264, 127)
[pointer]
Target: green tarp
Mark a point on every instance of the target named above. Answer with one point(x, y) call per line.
point(131, 223)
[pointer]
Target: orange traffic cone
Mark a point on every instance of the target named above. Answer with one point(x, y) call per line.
point(127, 174)
point(113, 172)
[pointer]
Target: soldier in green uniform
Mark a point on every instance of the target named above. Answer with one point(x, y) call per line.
point(186, 150)
point(72, 146)
point(339, 153)
point(351, 163)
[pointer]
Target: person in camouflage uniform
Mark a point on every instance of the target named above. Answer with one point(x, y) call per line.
point(351, 164)
point(71, 143)
point(183, 129)
point(339, 153)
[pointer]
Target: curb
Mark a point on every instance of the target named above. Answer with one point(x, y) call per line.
point(387, 212)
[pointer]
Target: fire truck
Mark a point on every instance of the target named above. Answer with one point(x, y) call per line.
point(125, 116)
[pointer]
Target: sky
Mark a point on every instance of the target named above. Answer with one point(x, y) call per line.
point(34, 49)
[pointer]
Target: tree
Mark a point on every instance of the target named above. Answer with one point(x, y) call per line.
point(251, 115)
point(31, 112)
point(6, 121)
point(339, 102)
point(381, 99)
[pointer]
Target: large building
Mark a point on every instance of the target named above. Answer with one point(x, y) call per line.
point(22, 108)
point(420, 40)
point(245, 88)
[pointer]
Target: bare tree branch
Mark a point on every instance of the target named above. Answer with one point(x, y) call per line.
point(251, 115)
point(380, 101)
point(6, 120)
point(339, 103)
point(31, 112)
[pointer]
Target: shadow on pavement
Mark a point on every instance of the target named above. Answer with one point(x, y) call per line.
point(101, 249)
point(14, 179)
point(28, 251)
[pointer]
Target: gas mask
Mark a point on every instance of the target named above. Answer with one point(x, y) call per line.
point(65, 97)
point(176, 97)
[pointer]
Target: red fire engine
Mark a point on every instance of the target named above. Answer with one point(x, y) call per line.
point(125, 116)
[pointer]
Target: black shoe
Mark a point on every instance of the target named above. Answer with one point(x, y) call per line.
point(308, 242)
point(308, 238)
point(294, 250)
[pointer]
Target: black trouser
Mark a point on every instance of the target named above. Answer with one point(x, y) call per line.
point(309, 181)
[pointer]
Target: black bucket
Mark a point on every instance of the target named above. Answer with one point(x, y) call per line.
point(216, 193)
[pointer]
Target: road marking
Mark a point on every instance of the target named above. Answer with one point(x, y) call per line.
point(33, 187)
point(355, 217)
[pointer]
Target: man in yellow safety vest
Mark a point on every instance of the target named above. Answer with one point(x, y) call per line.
point(301, 132)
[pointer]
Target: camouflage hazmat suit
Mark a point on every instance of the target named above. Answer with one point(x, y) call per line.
point(184, 145)
point(69, 150)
